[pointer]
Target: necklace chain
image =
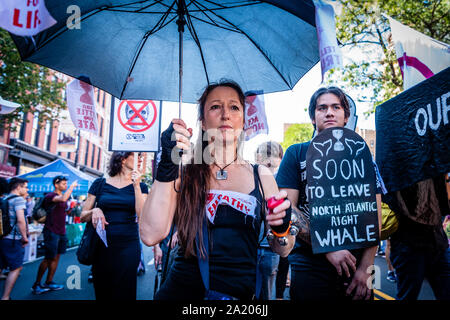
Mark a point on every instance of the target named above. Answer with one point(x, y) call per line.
point(222, 174)
point(221, 169)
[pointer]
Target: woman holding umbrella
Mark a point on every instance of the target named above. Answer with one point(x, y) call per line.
point(219, 207)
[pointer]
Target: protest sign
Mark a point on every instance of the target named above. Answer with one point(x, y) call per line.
point(330, 53)
point(25, 18)
point(255, 115)
point(413, 133)
point(341, 192)
point(80, 102)
point(135, 126)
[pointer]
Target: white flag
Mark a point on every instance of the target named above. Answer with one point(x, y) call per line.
point(80, 102)
point(330, 53)
point(419, 56)
point(25, 17)
point(255, 115)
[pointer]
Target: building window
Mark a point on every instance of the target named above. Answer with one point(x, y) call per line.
point(22, 125)
point(99, 157)
point(98, 95)
point(48, 136)
point(104, 98)
point(86, 153)
point(35, 130)
point(101, 126)
point(93, 156)
point(2, 127)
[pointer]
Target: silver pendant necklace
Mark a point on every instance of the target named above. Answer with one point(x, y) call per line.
point(222, 174)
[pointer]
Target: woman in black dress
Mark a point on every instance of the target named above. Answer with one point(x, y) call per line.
point(119, 204)
point(223, 193)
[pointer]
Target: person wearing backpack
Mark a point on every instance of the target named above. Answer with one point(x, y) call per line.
point(15, 237)
point(55, 239)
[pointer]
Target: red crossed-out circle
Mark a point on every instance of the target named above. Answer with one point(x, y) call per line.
point(141, 104)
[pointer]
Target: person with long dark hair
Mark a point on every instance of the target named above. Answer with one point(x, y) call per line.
point(119, 200)
point(219, 208)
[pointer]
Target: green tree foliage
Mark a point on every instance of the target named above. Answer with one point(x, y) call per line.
point(297, 133)
point(361, 25)
point(28, 84)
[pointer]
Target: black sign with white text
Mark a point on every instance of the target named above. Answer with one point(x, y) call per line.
point(341, 192)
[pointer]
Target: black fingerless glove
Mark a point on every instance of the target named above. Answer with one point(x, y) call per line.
point(167, 170)
point(286, 222)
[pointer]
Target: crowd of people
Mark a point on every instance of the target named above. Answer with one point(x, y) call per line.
point(207, 219)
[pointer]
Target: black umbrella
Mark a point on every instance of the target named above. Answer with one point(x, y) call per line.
point(171, 49)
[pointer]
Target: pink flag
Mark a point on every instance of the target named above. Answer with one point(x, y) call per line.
point(330, 53)
point(80, 102)
point(25, 17)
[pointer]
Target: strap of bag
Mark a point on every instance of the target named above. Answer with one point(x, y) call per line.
point(302, 195)
point(203, 263)
point(15, 222)
point(164, 272)
point(99, 191)
point(258, 285)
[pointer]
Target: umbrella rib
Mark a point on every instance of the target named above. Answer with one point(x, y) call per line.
point(152, 4)
point(141, 46)
point(236, 5)
point(213, 23)
point(197, 41)
point(253, 42)
point(87, 15)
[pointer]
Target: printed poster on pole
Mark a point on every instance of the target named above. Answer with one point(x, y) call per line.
point(135, 126)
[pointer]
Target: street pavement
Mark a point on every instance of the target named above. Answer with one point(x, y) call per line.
point(75, 279)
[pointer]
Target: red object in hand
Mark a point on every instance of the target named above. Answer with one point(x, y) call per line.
point(272, 203)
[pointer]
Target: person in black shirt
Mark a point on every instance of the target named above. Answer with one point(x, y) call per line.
point(337, 274)
point(119, 205)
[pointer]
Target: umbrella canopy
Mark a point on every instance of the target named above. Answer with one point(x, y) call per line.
point(40, 181)
point(135, 49)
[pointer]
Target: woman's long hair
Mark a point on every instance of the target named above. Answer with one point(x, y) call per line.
point(190, 212)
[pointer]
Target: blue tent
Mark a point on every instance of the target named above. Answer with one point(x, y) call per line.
point(40, 181)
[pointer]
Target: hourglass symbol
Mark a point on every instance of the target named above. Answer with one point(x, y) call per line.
point(338, 146)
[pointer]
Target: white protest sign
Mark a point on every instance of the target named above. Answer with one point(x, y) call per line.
point(80, 102)
point(25, 17)
point(255, 115)
point(135, 126)
point(330, 53)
